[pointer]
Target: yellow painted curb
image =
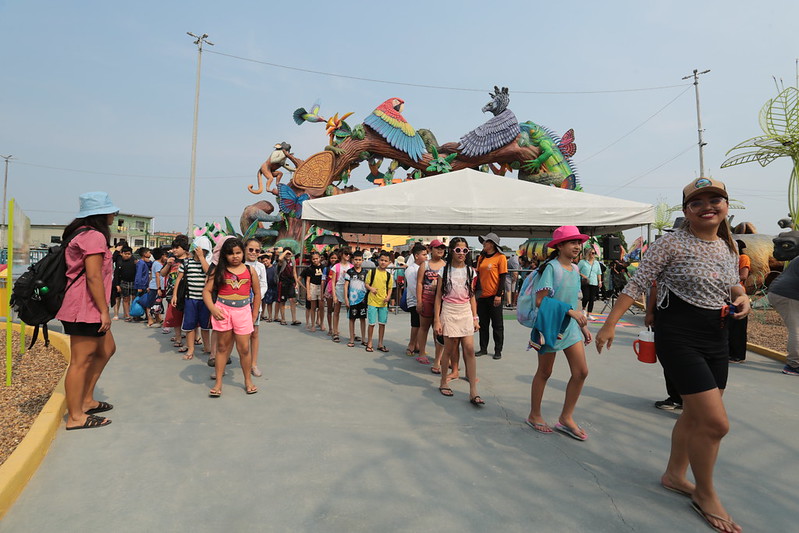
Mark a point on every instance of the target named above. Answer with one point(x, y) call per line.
point(762, 350)
point(22, 464)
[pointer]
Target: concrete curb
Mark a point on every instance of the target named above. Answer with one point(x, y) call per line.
point(22, 464)
point(762, 350)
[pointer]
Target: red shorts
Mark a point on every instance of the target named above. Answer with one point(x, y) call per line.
point(239, 319)
point(173, 318)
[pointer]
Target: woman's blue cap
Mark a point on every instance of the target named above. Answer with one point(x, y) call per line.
point(96, 203)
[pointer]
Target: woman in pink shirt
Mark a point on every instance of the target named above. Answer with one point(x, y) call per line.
point(84, 311)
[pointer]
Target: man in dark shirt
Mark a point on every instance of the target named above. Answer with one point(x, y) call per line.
point(124, 275)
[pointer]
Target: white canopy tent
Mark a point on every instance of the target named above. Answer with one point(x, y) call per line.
point(469, 202)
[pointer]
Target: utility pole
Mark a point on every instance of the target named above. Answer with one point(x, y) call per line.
point(199, 41)
point(702, 144)
point(5, 188)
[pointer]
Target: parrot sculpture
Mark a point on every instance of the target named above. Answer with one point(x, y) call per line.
point(301, 115)
point(387, 120)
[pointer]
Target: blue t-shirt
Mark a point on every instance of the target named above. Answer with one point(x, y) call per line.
point(157, 266)
point(592, 272)
point(567, 292)
point(357, 287)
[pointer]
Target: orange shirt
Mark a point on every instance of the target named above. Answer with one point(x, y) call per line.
point(744, 262)
point(488, 271)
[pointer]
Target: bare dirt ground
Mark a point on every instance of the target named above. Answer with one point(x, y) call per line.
point(34, 376)
point(767, 329)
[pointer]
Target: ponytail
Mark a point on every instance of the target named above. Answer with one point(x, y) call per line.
point(551, 257)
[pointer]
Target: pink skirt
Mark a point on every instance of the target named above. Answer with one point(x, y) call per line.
point(457, 319)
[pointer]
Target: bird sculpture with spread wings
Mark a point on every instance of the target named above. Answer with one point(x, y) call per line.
point(387, 120)
point(498, 131)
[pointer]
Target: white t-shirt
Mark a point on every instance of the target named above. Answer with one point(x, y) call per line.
point(260, 269)
point(410, 282)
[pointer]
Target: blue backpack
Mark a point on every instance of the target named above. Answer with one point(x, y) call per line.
point(526, 309)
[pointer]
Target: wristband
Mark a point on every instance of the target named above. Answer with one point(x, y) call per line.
point(476, 318)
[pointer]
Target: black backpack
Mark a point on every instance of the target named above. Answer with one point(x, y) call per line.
point(38, 293)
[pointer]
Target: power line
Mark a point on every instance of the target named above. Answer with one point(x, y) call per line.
point(650, 171)
point(637, 127)
point(427, 86)
point(116, 174)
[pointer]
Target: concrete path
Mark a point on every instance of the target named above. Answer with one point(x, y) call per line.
point(340, 440)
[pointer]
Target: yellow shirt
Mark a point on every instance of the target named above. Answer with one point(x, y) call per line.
point(383, 283)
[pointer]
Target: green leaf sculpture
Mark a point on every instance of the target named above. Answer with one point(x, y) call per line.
point(779, 119)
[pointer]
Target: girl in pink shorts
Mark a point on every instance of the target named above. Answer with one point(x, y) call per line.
point(233, 295)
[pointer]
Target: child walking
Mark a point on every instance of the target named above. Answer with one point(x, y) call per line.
point(455, 316)
point(379, 287)
point(238, 300)
point(556, 292)
point(336, 276)
point(355, 296)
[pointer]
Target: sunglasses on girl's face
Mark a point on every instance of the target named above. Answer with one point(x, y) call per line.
point(695, 205)
point(459, 250)
point(254, 250)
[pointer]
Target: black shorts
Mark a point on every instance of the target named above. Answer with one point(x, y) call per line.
point(415, 323)
point(357, 310)
point(692, 346)
point(287, 292)
point(83, 329)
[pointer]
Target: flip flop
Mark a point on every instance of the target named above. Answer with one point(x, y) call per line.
point(423, 360)
point(477, 401)
point(92, 422)
point(282, 322)
point(707, 516)
point(183, 349)
point(296, 323)
point(101, 408)
point(539, 427)
point(445, 391)
point(351, 344)
point(382, 349)
point(369, 349)
point(213, 393)
point(568, 431)
point(188, 357)
point(676, 490)
point(251, 390)
point(435, 369)
point(336, 338)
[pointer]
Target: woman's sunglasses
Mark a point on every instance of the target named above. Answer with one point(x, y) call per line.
point(254, 250)
point(459, 250)
point(696, 205)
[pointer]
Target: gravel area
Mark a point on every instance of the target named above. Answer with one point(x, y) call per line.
point(34, 376)
point(766, 328)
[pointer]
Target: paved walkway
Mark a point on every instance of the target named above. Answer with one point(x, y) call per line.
point(340, 440)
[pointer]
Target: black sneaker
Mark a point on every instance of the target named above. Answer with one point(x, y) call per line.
point(498, 355)
point(668, 405)
point(480, 353)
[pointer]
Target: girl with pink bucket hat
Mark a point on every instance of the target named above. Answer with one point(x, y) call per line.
point(557, 290)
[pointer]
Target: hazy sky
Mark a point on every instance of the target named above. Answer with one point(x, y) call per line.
point(99, 95)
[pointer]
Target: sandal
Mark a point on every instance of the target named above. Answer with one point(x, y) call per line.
point(214, 393)
point(336, 338)
point(540, 427)
point(251, 390)
point(177, 344)
point(423, 360)
point(435, 369)
point(477, 401)
point(369, 349)
point(102, 407)
point(188, 357)
point(382, 349)
point(282, 322)
point(183, 349)
point(351, 344)
point(198, 341)
point(708, 516)
point(92, 422)
point(445, 391)
point(296, 323)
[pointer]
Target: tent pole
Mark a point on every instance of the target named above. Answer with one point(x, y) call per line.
point(302, 242)
point(648, 238)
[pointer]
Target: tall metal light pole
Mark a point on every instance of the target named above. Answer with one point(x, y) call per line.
point(5, 188)
point(199, 41)
point(702, 144)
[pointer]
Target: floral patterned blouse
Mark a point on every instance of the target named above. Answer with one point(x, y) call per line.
point(697, 271)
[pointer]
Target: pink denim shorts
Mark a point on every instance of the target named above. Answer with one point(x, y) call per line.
point(239, 319)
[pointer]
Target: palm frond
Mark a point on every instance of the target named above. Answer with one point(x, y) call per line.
point(762, 156)
point(780, 115)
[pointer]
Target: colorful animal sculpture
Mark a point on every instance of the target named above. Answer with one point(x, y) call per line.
point(553, 166)
point(336, 129)
point(786, 246)
point(301, 115)
point(269, 169)
point(260, 212)
point(388, 122)
point(498, 131)
point(290, 202)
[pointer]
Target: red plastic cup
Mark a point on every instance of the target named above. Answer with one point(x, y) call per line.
point(644, 347)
